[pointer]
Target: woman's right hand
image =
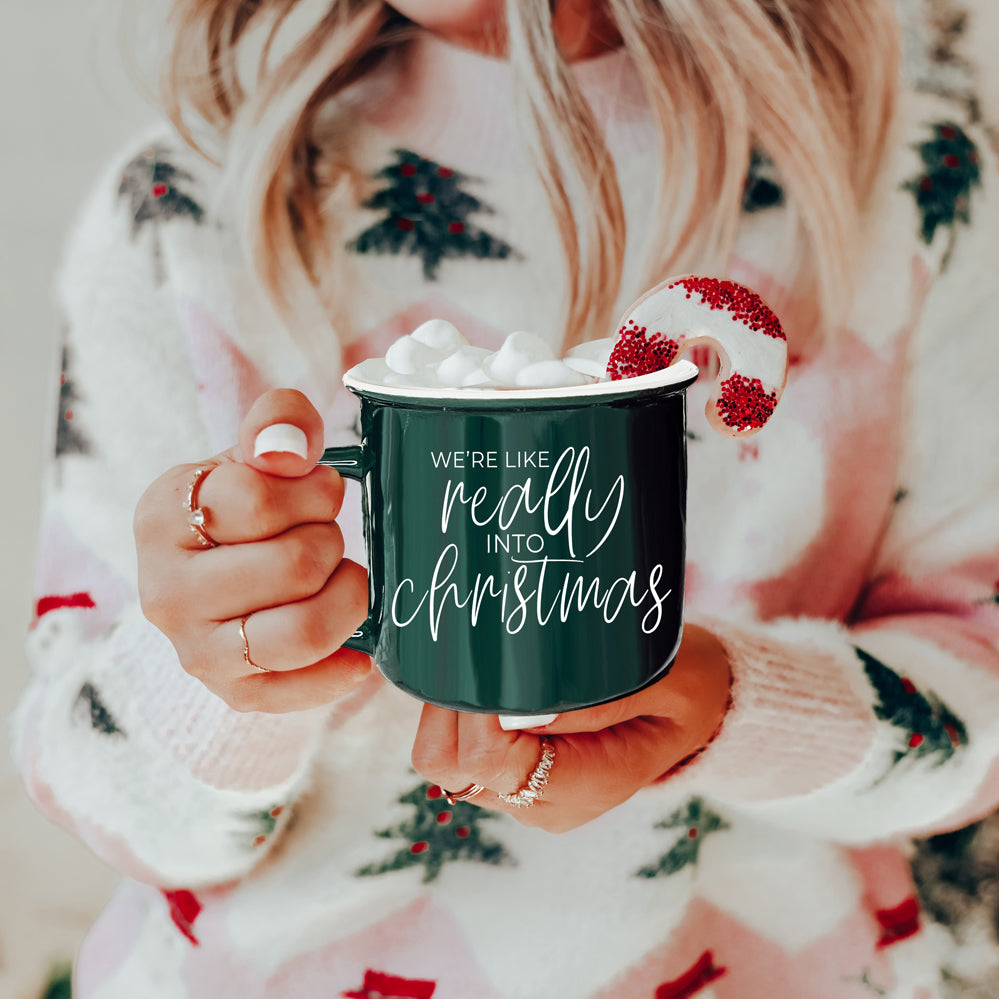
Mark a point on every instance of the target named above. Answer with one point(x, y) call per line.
point(278, 564)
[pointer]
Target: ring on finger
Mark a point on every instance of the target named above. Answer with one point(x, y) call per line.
point(537, 779)
point(197, 516)
point(452, 797)
point(246, 647)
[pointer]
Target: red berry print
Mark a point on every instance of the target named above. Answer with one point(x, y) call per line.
point(637, 352)
point(738, 301)
point(462, 832)
point(46, 605)
point(434, 792)
point(908, 686)
point(915, 740)
point(744, 403)
point(405, 225)
point(952, 161)
point(899, 923)
point(445, 173)
point(443, 818)
point(425, 198)
point(700, 976)
point(456, 228)
point(159, 190)
point(408, 170)
point(420, 847)
point(184, 910)
point(378, 985)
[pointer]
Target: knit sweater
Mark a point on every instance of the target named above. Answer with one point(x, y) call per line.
point(847, 558)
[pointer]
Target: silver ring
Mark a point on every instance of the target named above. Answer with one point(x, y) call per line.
point(537, 780)
point(198, 515)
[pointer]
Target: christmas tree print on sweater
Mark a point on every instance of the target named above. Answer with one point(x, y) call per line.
point(101, 720)
point(153, 187)
point(426, 215)
point(437, 834)
point(951, 170)
point(695, 821)
point(69, 437)
point(929, 729)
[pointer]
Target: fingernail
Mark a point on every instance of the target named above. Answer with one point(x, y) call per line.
point(510, 723)
point(281, 437)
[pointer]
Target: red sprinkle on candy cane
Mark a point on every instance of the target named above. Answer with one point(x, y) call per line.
point(738, 301)
point(638, 352)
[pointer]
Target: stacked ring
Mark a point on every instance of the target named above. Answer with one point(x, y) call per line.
point(537, 780)
point(451, 797)
point(198, 515)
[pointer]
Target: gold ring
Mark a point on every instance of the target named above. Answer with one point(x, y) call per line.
point(246, 647)
point(198, 515)
point(537, 780)
point(470, 792)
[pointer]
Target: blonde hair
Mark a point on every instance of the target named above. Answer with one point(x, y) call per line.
point(811, 83)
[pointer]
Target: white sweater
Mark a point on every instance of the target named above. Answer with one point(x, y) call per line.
point(848, 558)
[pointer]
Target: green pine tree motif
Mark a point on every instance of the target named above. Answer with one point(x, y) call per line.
point(151, 183)
point(943, 190)
point(427, 215)
point(930, 730)
point(696, 821)
point(437, 834)
point(262, 824)
point(101, 720)
point(69, 438)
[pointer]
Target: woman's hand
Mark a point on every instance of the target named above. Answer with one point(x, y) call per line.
point(278, 566)
point(603, 755)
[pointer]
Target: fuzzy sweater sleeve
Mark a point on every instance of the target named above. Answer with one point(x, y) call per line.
point(115, 741)
point(887, 723)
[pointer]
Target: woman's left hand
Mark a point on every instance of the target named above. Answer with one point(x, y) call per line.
point(603, 755)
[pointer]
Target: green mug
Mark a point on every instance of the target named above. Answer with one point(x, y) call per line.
point(525, 547)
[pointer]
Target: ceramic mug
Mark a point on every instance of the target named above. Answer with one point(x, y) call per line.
point(526, 546)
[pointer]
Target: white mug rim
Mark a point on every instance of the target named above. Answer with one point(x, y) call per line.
point(680, 371)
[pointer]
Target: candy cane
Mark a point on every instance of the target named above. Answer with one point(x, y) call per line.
point(683, 312)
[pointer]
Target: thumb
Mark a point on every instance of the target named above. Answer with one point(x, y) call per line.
point(282, 434)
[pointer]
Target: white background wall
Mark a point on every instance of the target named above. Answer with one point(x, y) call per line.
point(66, 103)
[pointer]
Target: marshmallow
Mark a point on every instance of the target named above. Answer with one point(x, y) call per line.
point(518, 350)
point(548, 374)
point(591, 358)
point(465, 362)
point(439, 334)
point(436, 355)
point(407, 356)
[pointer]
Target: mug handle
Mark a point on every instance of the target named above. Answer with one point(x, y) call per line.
point(351, 461)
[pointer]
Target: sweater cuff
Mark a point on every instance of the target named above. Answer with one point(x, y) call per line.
point(799, 719)
point(224, 748)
